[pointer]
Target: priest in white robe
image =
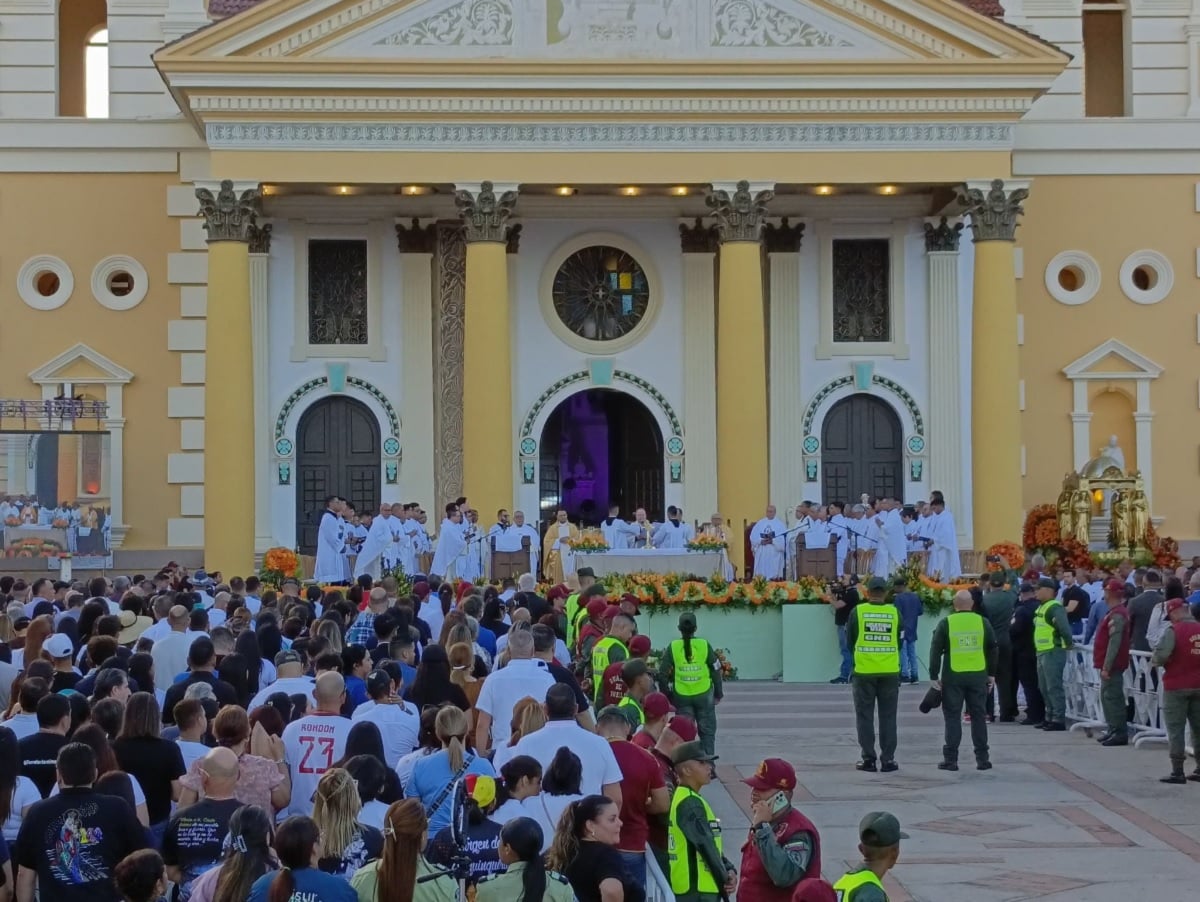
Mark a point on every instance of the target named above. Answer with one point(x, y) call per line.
point(644, 529)
point(839, 527)
point(528, 530)
point(451, 546)
point(804, 523)
point(672, 534)
point(331, 545)
point(943, 550)
point(617, 533)
point(376, 545)
point(767, 542)
point(716, 527)
point(471, 566)
point(893, 537)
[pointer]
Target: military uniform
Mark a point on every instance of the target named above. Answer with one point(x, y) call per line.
point(697, 866)
point(507, 886)
point(878, 830)
point(1110, 654)
point(873, 633)
point(607, 650)
point(694, 686)
point(967, 643)
point(1052, 639)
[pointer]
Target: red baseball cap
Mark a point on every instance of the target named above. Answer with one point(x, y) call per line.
point(656, 705)
point(813, 889)
point(559, 591)
point(773, 773)
point(1174, 605)
point(639, 645)
point(684, 728)
point(596, 607)
point(1115, 586)
point(632, 601)
point(611, 611)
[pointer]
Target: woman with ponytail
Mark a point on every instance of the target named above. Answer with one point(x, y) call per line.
point(394, 876)
point(585, 850)
point(248, 855)
point(347, 844)
point(526, 879)
point(299, 847)
point(433, 777)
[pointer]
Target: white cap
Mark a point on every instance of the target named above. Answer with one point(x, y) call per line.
point(58, 646)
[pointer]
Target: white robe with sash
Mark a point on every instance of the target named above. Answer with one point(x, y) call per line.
point(769, 559)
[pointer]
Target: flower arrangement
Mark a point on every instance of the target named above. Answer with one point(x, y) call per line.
point(12, 521)
point(1041, 529)
point(706, 543)
point(590, 542)
point(33, 548)
point(1011, 556)
point(404, 584)
point(59, 523)
point(279, 564)
point(659, 592)
point(728, 671)
point(1164, 549)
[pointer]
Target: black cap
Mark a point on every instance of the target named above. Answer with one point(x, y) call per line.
point(379, 681)
point(877, 584)
point(880, 829)
point(1027, 587)
point(1047, 583)
point(690, 751)
point(586, 571)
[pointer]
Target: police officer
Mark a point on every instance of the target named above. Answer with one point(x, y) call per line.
point(521, 853)
point(968, 644)
point(783, 847)
point(1110, 656)
point(873, 632)
point(691, 673)
point(879, 838)
point(1025, 656)
point(639, 683)
point(1052, 639)
point(698, 869)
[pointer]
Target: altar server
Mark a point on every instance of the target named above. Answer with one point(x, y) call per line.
point(331, 544)
point(451, 545)
point(943, 550)
point(767, 541)
point(376, 546)
point(673, 534)
point(617, 533)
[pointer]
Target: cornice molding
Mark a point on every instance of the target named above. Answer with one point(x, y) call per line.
point(590, 137)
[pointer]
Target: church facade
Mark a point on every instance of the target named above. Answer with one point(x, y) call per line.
point(715, 255)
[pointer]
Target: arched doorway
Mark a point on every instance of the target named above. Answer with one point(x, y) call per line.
point(601, 447)
point(861, 450)
point(337, 453)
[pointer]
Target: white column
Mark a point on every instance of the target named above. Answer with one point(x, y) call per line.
point(114, 422)
point(263, 426)
point(1143, 424)
point(945, 349)
point(699, 370)
point(785, 396)
point(18, 461)
point(416, 387)
point(1081, 424)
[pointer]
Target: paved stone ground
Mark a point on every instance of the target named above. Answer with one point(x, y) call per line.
point(1058, 818)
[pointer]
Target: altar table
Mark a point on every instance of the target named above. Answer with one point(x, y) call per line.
point(652, 560)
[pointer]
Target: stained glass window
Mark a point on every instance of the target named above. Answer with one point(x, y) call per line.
point(862, 309)
point(600, 293)
point(337, 292)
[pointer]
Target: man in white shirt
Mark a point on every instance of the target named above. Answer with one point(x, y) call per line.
point(312, 743)
point(617, 533)
point(399, 723)
point(767, 541)
point(170, 653)
point(290, 680)
point(522, 676)
point(672, 534)
point(601, 773)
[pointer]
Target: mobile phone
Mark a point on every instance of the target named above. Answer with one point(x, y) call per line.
point(778, 802)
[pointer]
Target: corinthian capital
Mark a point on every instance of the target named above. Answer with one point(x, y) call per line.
point(485, 214)
point(993, 209)
point(229, 215)
point(943, 236)
point(741, 215)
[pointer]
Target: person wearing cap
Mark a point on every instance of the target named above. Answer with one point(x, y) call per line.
point(783, 847)
point(610, 649)
point(589, 625)
point(697, 867)
point(290, 680)
point(643, 790)
point(879, 838)
point(657, 711)
point(614, 687)
point(1052, 638)
point(998, 604)
point(1178, 651)
point(1020, 630)
point(1110, 656)
point(962, 665)
point(576, 600)
point(873, 632)
point(691, 673)
point(638, 684)
point(676, 733)
point(59, 649)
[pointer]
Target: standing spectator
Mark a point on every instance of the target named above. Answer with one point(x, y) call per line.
point(316, 740)
point(481, 838)
point(170, 653)
point(526, 877)
point(17, 793)
point(347, 844)
point(909, 605)
point(844, 602)
point(522, 779)
point(263, 775)
point(1142, 608)
point(998, 605)
point(193, 724)
point(141, 877)
point(523, 676)
point(202, 664)
point(1076, 599)
point(195, 834)
point(432, 685)
point(584, 850)
point(395, 874)
point(50, 852)
point(299, 847)
point(247, 856)
point(398, 722)
point(157, 763)
point(433, 777)
point(24, 722)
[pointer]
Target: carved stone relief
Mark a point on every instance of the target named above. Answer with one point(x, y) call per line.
point(468, 23)
point(448, 343)
point(757, 23)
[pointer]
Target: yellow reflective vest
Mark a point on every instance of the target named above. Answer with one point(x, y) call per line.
point(692, 677)
point(877, 645)
point(685, 862)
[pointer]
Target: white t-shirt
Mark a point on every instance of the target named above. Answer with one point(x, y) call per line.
point(373, 813)
point(547, 810)
point(311, 745)
point(25, 793)
point(404, 767)
point(301, 685)
point(595, 754)
point(507, 686)
point(191, 751)
point(399, 725)
point(22, 725)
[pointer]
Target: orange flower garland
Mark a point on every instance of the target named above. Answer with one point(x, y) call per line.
point(1011, 555)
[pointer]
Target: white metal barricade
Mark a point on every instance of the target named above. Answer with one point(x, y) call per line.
point(658, 887)
point(1081, 684)
point(1143, 686)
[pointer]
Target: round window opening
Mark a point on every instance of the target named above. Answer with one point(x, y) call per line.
point(119, 284)
point(1144, 278)
point(1070, 278)
point(47, 283)
point(600, 293)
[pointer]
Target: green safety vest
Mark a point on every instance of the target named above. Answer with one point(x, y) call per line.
point(876, 648)
point(572, 609)
point(966, 642)
point(854, 880)
point(628, 702)
point(683, 860)
point(692, 677)
point(600, 660)
point(1045, 636)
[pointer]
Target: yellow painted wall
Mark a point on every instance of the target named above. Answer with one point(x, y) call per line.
point(1109, 218)
point(83, 218)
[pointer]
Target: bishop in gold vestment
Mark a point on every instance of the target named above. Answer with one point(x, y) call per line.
point(556, 552)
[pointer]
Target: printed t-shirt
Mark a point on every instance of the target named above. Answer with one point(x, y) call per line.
point(312, 744)
point(193, 840)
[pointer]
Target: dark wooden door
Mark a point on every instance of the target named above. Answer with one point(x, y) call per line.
point(861, 450)
point(337, 453)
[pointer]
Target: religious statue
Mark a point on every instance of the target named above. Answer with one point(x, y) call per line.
point(1113, 450)
point(1066, 519)
point(1081, 516)
point(1120, 533)
point(1139, 517)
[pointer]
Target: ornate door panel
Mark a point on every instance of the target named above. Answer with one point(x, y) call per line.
point(861, 450)
point(337, 453)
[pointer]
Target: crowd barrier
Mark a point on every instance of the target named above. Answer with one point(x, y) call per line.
point(1143, 694)
point(658, 887)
